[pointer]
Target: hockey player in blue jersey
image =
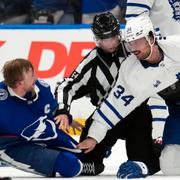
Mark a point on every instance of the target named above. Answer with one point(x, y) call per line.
point(29, 138)
point(153, 66)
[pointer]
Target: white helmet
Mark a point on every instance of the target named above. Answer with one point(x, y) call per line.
point(137, 28)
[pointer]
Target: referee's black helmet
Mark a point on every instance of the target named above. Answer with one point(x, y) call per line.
point(105, 25)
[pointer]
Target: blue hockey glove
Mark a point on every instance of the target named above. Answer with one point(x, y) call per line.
point(132, 169)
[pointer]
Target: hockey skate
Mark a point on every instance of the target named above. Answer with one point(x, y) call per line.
point(92, 169)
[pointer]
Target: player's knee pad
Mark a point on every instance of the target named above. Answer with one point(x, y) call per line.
point(170, 160)
point(67, 165)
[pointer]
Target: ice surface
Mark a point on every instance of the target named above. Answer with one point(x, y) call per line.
point(112, 163)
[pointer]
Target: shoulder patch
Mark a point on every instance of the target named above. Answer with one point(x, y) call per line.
point(3, 94)
point(175, 5)
point(43, 83)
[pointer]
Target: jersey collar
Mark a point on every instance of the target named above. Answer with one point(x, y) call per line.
point(12, 93)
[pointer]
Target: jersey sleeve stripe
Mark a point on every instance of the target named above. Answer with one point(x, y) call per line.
point(131, 15)
point(113, 109)
point(140, 5)
point(159, 119)
point(104, 117)
point(158, 107)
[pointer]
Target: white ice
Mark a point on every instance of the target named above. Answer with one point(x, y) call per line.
point(112, 163)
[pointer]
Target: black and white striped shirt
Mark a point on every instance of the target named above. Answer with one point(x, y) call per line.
point(94, 77)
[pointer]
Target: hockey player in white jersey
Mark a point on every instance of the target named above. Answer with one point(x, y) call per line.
point(153, 66)
point(165, 17)
point(164, 14)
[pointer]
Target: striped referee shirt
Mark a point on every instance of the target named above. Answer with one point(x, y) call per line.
point(94, 77)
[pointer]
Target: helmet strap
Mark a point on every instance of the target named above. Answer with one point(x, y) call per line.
point(151, 46)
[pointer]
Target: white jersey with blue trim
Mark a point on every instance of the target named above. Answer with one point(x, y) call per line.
point(166, 20)
point(163, 13)
point(135, 84)
point(160, 112)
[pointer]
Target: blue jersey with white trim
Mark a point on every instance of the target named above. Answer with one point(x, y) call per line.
point(31, 118)
point(135, 84)
point(163, 13)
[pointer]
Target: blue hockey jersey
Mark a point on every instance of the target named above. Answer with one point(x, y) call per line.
point(31, 118)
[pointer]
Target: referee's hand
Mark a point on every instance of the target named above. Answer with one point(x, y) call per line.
point(87, 145)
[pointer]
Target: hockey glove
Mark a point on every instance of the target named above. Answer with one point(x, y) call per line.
point(132, 169)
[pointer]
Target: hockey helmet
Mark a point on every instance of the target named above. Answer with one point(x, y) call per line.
point(105, 25)
point(137, 28)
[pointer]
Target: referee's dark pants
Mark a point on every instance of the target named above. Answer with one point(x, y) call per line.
point(136, 130)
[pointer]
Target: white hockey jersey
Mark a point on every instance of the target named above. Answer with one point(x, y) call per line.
point(165, 14)
point(135, 84)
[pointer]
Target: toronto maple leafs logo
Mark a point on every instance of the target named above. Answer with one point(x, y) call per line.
point(175, 5)
point(157, 83)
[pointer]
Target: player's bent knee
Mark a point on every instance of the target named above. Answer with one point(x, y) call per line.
point(67, 165)
point(169, 160)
